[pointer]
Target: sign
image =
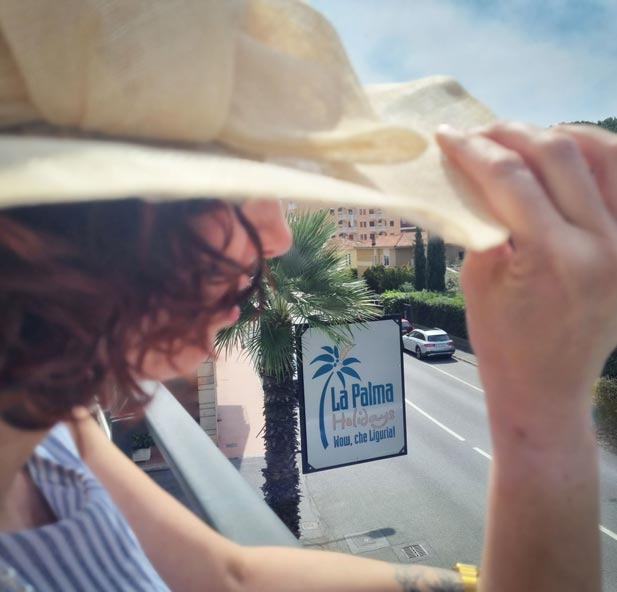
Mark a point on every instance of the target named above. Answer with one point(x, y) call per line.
point(352, 401)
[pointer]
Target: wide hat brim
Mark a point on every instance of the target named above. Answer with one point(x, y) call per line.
point(243, 99)
point(38, 169)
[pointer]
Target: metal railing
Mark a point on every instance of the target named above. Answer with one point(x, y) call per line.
point(223, 499)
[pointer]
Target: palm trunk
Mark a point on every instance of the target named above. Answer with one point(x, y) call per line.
point(281, 487)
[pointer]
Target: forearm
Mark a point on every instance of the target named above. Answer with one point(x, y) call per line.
point(190, 556)
point(543, 503)
point(301, 570)
point(186, 553)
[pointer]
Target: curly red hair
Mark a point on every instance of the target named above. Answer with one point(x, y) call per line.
point(83, 289)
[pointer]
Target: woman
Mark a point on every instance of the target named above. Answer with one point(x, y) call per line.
point(108, 291)
point(554, 281)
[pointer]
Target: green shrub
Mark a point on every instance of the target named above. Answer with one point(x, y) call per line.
point(380, 279)
point(452, 281)
point(432, 309)
point(610, 368)
point(373, 276)
point(141, 440)
point(605, 399)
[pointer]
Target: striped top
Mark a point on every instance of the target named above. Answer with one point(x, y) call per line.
point(89, 548)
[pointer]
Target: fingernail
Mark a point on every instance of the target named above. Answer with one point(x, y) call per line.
point(447, 131)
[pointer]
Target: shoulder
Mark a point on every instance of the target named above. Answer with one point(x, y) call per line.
point(58, 445)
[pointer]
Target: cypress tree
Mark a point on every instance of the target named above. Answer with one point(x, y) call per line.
point(419, 261)
point(436, 265)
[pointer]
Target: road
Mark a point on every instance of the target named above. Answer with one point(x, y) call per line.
point(435, 496)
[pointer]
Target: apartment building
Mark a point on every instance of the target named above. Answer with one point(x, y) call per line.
point(364, 224)
point(358, 224)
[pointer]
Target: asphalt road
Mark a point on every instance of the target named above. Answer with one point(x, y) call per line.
point(433, 500)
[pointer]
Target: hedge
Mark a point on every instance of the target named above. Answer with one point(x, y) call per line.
point(605, 399)
point(433, 309)
point(610, 368)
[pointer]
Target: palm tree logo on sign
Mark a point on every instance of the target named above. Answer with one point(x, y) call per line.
point(333, 362)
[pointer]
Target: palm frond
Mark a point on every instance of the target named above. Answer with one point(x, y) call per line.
point(309, 287)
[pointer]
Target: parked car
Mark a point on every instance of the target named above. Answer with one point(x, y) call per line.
point(406, 327)
point(429, 342)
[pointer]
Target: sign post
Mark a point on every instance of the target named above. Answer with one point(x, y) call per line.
point(352, 402)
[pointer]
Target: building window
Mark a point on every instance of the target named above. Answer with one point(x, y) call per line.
point(371, 211)
point(391, 222)
point(371, 224)
point(350, 211)
point(386, 260)
point(332, 210)
point(351, 237)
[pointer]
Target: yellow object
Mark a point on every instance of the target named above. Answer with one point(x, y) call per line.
point(469, 575)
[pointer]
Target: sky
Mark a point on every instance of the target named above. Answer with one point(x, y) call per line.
point(540, 61)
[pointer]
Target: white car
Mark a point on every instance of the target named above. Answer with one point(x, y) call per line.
point(428, 342)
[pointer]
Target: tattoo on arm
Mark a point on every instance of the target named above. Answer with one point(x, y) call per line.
point(415, 579)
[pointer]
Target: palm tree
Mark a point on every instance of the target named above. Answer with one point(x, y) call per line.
point(307, 286)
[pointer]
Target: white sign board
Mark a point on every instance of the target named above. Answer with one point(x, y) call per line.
point(353, 403)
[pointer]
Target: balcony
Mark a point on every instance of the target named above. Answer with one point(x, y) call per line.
point(212, 486)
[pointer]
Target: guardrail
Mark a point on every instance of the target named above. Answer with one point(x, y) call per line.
point(222, 498)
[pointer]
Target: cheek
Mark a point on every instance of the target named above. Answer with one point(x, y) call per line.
point(269, 221)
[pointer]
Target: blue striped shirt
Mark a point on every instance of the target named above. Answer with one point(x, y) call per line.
point(89, 547)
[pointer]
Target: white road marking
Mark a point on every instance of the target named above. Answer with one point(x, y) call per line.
point(455, 377)
point(436, 422)
point(608, 532)
point(603, 529)
point(480, 451)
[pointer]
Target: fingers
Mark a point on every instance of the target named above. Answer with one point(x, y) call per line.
point(599, 147)
point(481, 269)
point(558, 163)
point(511, 192)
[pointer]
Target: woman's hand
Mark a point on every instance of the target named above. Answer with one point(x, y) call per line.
point(541, 316)
point(542, 310)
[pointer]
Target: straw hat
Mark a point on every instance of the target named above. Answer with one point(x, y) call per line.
point(104, 99)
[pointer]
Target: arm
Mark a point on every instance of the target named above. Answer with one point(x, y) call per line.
point(531, 306)
point(191, 556)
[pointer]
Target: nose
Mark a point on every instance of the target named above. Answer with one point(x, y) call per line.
point(267, 218)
